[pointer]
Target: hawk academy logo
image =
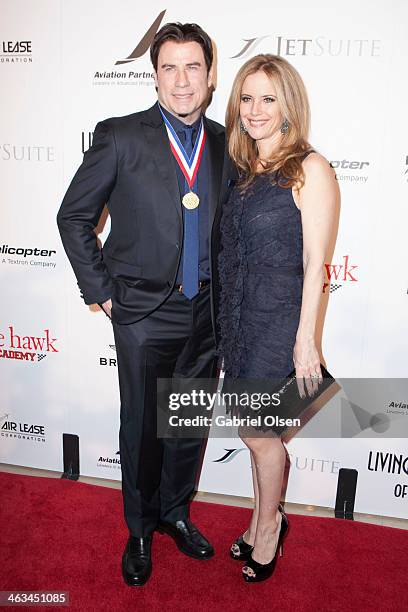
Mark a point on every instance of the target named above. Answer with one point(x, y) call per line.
point(127, 76)
point(337, 274)
point(14, 345)
point(317, 46)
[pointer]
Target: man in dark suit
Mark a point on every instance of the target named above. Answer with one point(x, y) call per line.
point(155, 276)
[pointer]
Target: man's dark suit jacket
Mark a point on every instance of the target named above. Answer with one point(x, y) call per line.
point(130, 168)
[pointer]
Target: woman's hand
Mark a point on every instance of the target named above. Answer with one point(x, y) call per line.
point(307, 363)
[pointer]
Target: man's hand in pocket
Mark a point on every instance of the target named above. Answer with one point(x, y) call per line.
point(107, 308)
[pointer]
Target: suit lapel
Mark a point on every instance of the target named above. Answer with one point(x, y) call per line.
point(158, 143)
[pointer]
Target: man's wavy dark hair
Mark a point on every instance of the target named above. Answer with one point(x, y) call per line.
point(181, 33)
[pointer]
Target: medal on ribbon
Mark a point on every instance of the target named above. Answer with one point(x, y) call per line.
point(189, 165)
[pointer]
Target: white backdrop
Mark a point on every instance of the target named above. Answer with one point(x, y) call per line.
point(60, 77)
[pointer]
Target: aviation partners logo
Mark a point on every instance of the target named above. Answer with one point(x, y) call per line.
point(132, 75)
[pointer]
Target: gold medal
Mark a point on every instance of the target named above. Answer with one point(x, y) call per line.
point(190, 200)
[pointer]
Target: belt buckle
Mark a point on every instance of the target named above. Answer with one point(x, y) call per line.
point(201, 285)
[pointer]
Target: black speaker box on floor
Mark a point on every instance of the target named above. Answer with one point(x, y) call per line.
point(346, 493)
point(70, 444)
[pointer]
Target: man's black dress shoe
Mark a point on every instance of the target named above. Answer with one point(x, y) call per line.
point(137, 560)
point(188, 539)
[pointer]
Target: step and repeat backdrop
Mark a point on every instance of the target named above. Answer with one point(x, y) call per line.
point(63, 69)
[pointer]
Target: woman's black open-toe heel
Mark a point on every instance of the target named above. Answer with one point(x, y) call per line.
point(256, 572)
point(240, 550)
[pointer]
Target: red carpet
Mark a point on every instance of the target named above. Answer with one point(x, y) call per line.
point(63, 535)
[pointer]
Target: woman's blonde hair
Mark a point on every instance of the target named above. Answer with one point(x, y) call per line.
point(292, 98)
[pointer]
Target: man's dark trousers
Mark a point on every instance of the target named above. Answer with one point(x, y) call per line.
point(158, 474)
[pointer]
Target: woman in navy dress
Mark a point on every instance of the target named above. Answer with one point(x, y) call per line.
point(275, 232)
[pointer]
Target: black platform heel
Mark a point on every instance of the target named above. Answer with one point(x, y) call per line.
point(240, 550)
point(256, 572)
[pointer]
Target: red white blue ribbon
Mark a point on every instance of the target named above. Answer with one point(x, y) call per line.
point(188, 165)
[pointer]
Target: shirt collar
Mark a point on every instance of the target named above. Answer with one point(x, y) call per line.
point(177, 124)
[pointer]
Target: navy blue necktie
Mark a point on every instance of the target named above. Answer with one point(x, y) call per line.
point(191, 236)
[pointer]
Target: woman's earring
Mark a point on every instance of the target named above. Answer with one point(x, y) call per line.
point(243, 128)
point(285, 127)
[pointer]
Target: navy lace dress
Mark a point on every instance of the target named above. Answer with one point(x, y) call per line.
point(261, 275)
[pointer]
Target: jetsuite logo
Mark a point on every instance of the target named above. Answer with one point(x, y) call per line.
point(315, 46)
point(132, 76)
point(26, 153)
point(314, 464)
point(230, 455)
point(16, 52)
point(15, 345)
point(20, 430)
point(311, 464)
